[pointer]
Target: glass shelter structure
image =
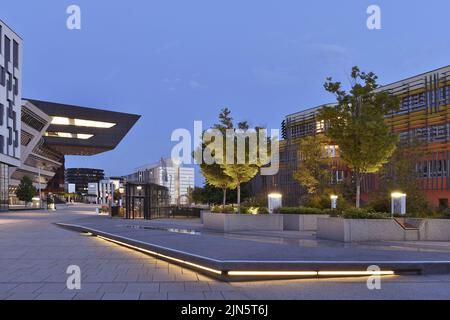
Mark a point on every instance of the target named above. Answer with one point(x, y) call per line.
point(146, 201)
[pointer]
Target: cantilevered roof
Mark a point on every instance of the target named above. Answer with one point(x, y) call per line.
point(84, 131)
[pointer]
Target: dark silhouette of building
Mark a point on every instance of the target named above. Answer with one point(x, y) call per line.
point(81, 177)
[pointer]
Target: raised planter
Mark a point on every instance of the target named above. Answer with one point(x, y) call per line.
point(355, 230)
point(301, 222)
point(436, 230)
point(242, 222)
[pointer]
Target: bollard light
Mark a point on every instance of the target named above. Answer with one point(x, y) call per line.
point(275, 201)
point(398, 203)
point(334, 199)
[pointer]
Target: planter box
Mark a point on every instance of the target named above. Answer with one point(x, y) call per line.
point(349, 230)
point(436, 230)
point(355, 230)
point(242, 222)
point(301, 222)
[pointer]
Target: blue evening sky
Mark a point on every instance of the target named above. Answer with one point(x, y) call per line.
point(176, 61)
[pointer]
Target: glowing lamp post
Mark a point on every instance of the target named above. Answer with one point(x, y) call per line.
point(398, 203)
point(275, 202)
point(334, 200)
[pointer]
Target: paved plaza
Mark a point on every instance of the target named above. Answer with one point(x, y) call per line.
point(35, 254)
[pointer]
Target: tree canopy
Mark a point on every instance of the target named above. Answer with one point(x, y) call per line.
point(357, 124)
point(314, 171)
point(26, 191)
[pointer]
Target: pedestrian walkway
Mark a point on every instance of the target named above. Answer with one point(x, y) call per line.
point(35, 254)
point(247, 254)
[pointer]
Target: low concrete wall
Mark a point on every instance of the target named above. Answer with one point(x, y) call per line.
point(349, 230)
point(331, 229)
point(301, 222)
point(355, 230)
point(436, 230)
point(242, 222)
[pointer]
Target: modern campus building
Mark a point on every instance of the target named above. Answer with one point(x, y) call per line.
point(178, 179)
point(51, 131)
point(10, 107)
point(424, 116)
point(35, 136)
point(82, 177)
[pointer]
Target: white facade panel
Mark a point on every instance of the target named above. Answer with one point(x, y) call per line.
point(10, 96)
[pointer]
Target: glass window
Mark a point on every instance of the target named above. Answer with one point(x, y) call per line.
point(7, 49)
point(15, 54)
point(2, 76)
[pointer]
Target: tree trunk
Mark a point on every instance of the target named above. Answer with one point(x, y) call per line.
point(358, 191)
point(239, 198)
point(224, 199)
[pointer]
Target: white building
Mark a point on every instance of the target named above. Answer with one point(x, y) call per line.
point(178, 179)
point(92, 192)
point(10, 107)
point(107, 187)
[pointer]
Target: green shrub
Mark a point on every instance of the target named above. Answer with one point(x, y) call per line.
point(254, 210)
point(263, 210)
point(303, 210)
point(363, 214)
point(221, 209)
point(446, 213)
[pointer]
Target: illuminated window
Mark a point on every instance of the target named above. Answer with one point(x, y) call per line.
point(80, 136)
point(320, 126)
point(332, 151)
point(61, 121)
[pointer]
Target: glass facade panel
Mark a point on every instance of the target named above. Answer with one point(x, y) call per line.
point(4, 187)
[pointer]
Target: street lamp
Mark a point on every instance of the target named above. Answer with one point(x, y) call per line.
point(334, 199)
point(40, 187)
point(398, 205)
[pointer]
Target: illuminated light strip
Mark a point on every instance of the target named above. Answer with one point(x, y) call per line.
point(162, 255)
point(272, 273)
point(310, 273)
point(63, 121)
point(356, 273)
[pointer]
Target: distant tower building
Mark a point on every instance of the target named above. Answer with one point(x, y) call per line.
point(82, 177)
point(178, 179)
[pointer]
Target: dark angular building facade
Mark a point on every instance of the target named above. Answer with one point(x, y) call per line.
point(51, 131)
point(81, 177)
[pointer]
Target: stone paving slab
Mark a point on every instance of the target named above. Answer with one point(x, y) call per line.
point(31, 244)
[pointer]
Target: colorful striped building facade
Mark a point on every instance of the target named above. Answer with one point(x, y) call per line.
point(424, 116)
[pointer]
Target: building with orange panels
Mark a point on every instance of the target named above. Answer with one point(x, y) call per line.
point(424, 116)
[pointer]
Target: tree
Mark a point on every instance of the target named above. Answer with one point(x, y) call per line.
point(241, 173)
point(358, 126)
point(401, 174)
point(216, 177)
point(211, 195)
point(314, 172)
point(26, 191)
point(196, 196)
point(226, 174)
point(213, 173)
point(243, 168)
